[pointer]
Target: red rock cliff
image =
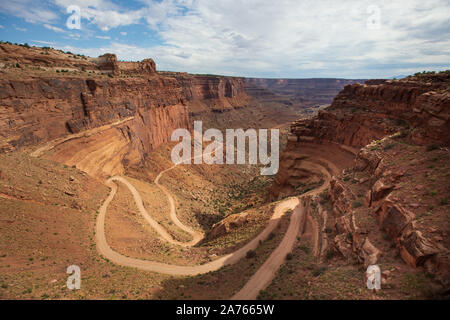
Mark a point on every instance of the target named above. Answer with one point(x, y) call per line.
point(363, 113)
point(205, 93)
point(39, 110)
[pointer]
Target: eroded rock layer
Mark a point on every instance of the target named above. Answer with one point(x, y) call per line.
point(40, 110)
point(363, 113)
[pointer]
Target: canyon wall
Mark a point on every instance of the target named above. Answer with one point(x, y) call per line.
point(298, 92)
point(362, 113)
point(209, 93)
point(224, 102)
point(389, 142)
point(40, 110)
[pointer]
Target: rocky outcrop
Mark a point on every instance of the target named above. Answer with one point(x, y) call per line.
point(48, 59)
point(362, 113)
point(351, 242)
point(108, 62)
point(144, 67)
point(386, 118)
point(227, 225)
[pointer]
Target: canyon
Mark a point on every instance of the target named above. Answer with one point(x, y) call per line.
point(86, 177)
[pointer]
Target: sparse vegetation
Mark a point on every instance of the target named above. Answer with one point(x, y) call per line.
point(356, 204)
point(432, 147)
point(250, 254)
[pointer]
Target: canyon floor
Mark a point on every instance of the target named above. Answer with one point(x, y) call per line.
point(51, 214)
point(86, 179)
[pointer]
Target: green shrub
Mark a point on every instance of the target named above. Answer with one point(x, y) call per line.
point(250, 254)
point(349, 236)
point(432, 147)
point(444, 201)
point(319, 270)
point(304, 248)
point(356, 204)
point(330, 254)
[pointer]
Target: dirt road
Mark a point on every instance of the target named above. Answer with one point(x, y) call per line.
point(265, 274)
point(256, 283)
point(105, 250)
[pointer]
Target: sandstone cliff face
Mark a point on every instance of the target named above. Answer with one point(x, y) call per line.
point(144, 67)
point(40, 110)
point(383, 195)
point(216, 94)
point(108, 62)
point(363, 113)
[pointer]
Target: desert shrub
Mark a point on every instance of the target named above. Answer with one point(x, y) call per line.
point(304, 248)
point(264, 295)
point(324, 197)
point(289, 256)
point(319, 270)
point(349, 236)
point(356, 204)
point(444, 201)
point(329, 254)
point(250, 254)
point(432, 147)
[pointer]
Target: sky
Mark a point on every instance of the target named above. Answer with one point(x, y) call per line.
point(272, 39)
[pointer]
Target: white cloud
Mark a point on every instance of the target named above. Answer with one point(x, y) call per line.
point(1, 27)
point(123, 33)
point(104, 14)
point(43, 42)
point(20, 29)
point(28, 10)
point(53, 28)
point(284, 38)
point(103, 37)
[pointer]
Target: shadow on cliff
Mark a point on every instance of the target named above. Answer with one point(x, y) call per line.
point(207, 220)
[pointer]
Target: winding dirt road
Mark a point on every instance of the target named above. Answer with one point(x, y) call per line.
point(260, 280)
point(256, 283)
point(105, 250)
point(265, 274)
